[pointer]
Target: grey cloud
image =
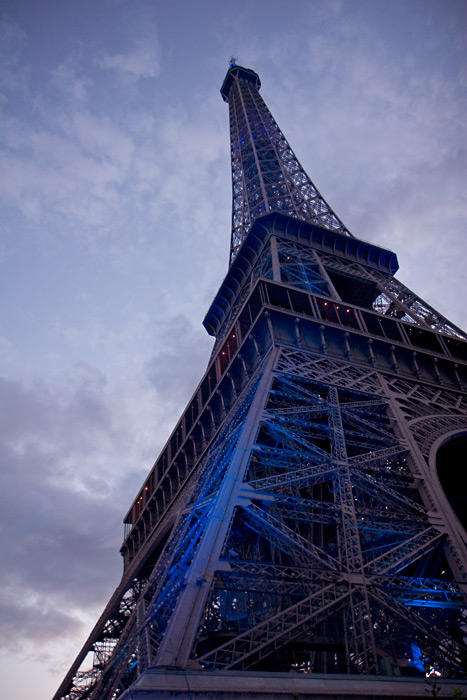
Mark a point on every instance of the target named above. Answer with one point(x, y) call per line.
point(175, 369)
point(60, 518)
point(61, 499)
point(34, 621)
point(142, 62)
point(12, 40)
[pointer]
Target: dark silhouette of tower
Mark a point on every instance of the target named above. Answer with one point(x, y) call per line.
point(300, 535)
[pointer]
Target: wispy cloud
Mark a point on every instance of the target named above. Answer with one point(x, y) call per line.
point(141, 62)
point(13, 73)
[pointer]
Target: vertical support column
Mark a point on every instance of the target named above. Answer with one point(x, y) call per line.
point(276, 268)
point(325, 276)
point(360, 639)
point(176, 646)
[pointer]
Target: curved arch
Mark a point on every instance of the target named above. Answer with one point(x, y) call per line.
point(448, 455)
point(451, 518)
point(429, 430)
point(431, 433)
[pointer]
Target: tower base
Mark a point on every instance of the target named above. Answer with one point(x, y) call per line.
point(159, 684)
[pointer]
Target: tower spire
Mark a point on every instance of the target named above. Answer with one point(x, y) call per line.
point(266, 174)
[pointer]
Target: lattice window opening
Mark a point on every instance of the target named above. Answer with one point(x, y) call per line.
point(390, 496)
point(316, 526)
point(430, 396)
point(295, 652)
point(288, 472)
point(290, 435)
point(230, 612)
point(374, 417)
point(306, 661)
point(447, 329)
point(381, 541)
point(300, 389)
point(388, 307)
point(392, 521)
point(252, 540)
point(350, 268)
point(420, 310)
point(304, 510)
point(385, 500)
point(416, 592)
point(368, 435)
point(304, 274)
point(103, 650)
point(85, 678)
point(437, 645)
point(280, 654)
point(415, 409)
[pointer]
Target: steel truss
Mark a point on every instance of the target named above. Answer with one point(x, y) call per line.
point(335, 513)
point(324, 564)
point(266, 174)
point(295, 520)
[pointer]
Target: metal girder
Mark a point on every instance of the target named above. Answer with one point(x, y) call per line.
point(405, 552)
point(395, 299)
point(290, 538)
point(263, 638)
point(445, 653)
point(266, 175)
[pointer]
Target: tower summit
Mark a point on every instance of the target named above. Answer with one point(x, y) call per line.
point(266, 175)
point(294, 537)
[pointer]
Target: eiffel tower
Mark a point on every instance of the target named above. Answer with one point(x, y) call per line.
point(300, 534)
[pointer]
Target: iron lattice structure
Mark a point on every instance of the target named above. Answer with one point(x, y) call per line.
point(295, 520)
point(266, 175)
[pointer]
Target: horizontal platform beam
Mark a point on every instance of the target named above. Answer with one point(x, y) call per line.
point(224, 685)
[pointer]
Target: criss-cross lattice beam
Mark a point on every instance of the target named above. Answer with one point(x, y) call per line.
point(266, 175)
point(276, 630)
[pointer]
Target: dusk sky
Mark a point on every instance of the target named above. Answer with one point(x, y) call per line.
point(115, 200)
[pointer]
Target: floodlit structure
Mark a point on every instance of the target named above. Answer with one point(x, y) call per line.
point(298, 535)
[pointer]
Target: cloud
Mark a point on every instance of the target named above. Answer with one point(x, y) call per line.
point(168, 371)
point(69, 78)
point(13, 74)
point(70, 453)
point(33, 620)
point(56, 514)
point(140, 62)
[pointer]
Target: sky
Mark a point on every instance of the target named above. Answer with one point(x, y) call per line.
point(115, 201)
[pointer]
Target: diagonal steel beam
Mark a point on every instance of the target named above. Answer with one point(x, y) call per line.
point(291, 537)
point(260, 640)
point(405, 553)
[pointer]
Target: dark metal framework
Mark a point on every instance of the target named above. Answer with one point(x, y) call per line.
point(266, 174)
point(295, 520)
